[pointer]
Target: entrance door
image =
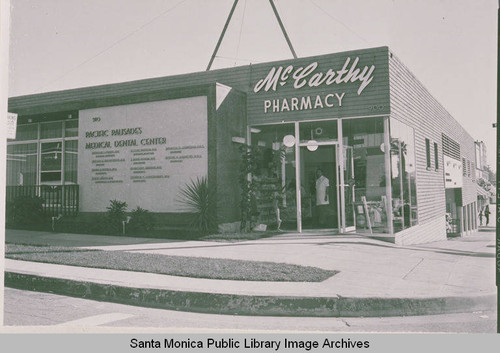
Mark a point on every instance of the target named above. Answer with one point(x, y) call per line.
point(319, 194)
point(327, 187)
point(51, 163)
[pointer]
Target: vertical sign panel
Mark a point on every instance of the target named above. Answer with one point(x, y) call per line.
point(141, 153)
point(10, 130)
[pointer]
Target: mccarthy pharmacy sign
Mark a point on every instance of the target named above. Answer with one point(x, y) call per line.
point(310, 76)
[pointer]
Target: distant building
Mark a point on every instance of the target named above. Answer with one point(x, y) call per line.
point(485, 189)
point(481, 161)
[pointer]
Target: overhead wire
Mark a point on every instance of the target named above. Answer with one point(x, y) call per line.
point(277, 4)
point(241, 30)
point(237, 59)
point(114, 44)
point(338, 21)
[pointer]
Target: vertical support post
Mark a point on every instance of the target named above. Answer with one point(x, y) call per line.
point(340, 179)
point(38, 160)
point(475, 214)
point(387, 164)
point(469, 219)
point(337, 191)
point(63, 164)
point(401, 192)
point(249, 145)
point(461, 215)
point(283, 177)
point(497, 204)
point(298, 183)
point(283, 29)
point(248, 149)
point(222, 35)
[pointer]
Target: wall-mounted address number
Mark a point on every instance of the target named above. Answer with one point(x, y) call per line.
point(376, 107)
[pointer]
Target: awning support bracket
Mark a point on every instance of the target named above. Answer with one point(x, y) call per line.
point(223, 33)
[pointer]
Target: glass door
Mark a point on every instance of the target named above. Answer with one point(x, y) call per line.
point(51, 163)
point(51, 176)
point(319, 194)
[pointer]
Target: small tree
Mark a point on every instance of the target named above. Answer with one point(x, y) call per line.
point(199, 200)
point(116, 213)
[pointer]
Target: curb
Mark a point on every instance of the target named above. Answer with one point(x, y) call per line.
point(233, 304)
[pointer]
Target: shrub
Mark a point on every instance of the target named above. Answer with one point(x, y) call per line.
point(116, 213)
point(200, 202)
point(140, 220)
point(25, 210)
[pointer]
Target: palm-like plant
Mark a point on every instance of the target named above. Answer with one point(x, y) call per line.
point(199, 200)
point(115, 215)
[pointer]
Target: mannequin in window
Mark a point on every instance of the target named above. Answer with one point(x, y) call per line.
point(322, 200)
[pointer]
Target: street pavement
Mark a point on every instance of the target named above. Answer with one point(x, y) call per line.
point(457, 275)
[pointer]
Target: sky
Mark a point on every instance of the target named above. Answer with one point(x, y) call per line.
point(450, 45)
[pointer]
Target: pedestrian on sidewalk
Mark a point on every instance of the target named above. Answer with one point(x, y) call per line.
point(487, 214)
point(480, 216)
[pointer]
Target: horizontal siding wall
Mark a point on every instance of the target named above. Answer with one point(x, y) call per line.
point(433, 230)
point(413, 105)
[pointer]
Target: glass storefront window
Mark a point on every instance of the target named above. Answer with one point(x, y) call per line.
point(366, 138)
point(51, 130)
point(22, 164)
point(70, 161)
point(27, 132)
point(403, 176)
point(273, 179)
point(318, 131)
point(71, 128)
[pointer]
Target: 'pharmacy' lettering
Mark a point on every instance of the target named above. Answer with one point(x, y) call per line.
point(303, 103)
point(308, 75)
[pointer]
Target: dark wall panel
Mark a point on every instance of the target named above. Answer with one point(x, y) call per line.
point(376, 93)
point(231, 122)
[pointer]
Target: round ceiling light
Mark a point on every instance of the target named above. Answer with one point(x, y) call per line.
point(312, 145)
point(289, 140)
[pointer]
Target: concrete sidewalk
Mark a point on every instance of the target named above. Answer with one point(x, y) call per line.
point(375, 279)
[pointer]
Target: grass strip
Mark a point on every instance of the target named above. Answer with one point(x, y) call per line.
point(31, 249)
point(196, 267)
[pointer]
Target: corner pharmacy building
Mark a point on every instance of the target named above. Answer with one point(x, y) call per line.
point(393, 161)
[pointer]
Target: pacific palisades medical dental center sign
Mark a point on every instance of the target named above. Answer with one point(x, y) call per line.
point(330, 86)
point(142, 154)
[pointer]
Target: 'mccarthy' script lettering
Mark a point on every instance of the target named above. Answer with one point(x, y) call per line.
point(309, 76)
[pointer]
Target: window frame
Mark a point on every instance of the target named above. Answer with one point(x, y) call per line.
point(39, 141)
point(428, 153)
point(436, 156)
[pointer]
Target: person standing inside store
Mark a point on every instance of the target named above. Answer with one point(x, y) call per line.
point(480, 216)
point(487, 214)
point(322, 201)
